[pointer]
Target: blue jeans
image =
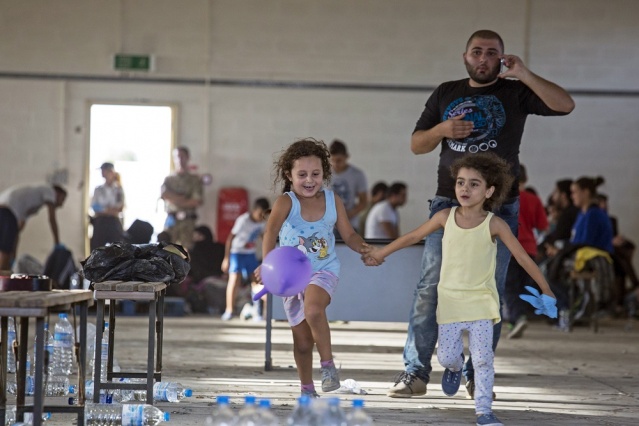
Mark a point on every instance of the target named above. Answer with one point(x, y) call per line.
point(422, 326)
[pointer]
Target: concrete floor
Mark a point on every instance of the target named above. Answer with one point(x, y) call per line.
point(546, 378)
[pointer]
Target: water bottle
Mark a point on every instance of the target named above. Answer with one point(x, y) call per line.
point(10, 417)
point(165, 391)
point(55, 386)
point(90, 345)
point(247, 416)
point(357, 416)
point(48, 352)
point(264, 415)
point(11, 337)
point(302, 415)
point(223, 414)
point(104, 353)
point(63, 344)
point(123, 414)
point(333, 415)
point(105, 397)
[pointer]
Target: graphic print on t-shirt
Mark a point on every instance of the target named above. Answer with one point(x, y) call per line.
point(488, 116)
point(312, 245)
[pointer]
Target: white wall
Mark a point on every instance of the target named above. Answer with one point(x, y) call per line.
point(56, 57)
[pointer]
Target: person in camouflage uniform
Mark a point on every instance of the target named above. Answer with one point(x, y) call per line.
point(182, 193)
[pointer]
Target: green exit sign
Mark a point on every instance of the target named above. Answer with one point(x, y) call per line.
point(123, 62)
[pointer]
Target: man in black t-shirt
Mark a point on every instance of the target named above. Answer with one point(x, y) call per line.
point(485, 112)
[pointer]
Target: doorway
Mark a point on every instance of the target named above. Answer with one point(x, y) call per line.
point(138, 140)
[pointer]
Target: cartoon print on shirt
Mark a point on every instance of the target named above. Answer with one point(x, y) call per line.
point(488, 116)
point(309, 245)
point(323, 253)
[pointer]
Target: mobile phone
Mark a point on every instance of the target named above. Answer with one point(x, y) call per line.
point(502, 61)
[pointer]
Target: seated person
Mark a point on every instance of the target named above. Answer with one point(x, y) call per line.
point(624, 250)
point(592, 229)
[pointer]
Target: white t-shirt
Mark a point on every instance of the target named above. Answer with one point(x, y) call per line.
point(24, 201)
point(246, 232)
point(380, 212)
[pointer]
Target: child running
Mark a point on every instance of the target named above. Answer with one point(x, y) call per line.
point(304, 216)
point(467, 291)
point(240, 259)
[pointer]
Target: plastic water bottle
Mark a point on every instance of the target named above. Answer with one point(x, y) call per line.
point(302, 415)
point(123, 414)
point(264, 415)
point(10, 417)
point(104, 353)
point(56, 386)
point(247, 416)
point(63, 344)
point(48, 352)
point(90, 345)
point(357, 416)
point(11, 337)
point(165, 391)
point(333, 415)
point(105, 397)
point(223, 414)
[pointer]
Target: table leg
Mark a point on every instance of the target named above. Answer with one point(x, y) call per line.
point(4, 347)
point(97, 360)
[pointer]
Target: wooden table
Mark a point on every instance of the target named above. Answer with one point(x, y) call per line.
point(39, 304)
point(152, 292)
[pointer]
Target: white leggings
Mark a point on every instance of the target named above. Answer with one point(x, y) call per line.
point(480, 338)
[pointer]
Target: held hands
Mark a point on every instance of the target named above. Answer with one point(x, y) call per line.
point(372, 257)
point(543, 303)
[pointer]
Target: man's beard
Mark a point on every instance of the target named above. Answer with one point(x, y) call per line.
point(482, 78)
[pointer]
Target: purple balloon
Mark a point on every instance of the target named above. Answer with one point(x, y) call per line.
point(286, 271)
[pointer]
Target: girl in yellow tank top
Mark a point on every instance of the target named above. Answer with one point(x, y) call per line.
point(467, 293)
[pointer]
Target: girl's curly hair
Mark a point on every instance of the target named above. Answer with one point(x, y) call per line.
point(495, 171)
point(302, 148)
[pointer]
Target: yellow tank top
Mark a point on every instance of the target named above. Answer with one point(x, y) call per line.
point(467, 290)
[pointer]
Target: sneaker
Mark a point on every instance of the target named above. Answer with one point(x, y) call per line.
point(563, 324)
point(519, 328)
point(310, 394)
point(330, 378)
point(451, 381)
point(407, 385)
point(488, 420)
point(227, 316)
point(247, 312)
point(470, 390)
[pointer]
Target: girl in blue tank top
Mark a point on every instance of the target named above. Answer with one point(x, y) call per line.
point(304, 217)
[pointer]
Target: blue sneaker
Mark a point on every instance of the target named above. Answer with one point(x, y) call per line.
point(488, 420)
point(451, 381)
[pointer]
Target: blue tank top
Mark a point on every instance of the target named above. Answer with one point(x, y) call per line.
point(315, 239)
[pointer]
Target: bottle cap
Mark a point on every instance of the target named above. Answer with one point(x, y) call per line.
point(304, 400)
point(166, 417)
point(188, 393)
point(62, 315)
point(249, 399)
point(358, 403)
point(72, 389)
point(265, 403)
point(222, 399)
